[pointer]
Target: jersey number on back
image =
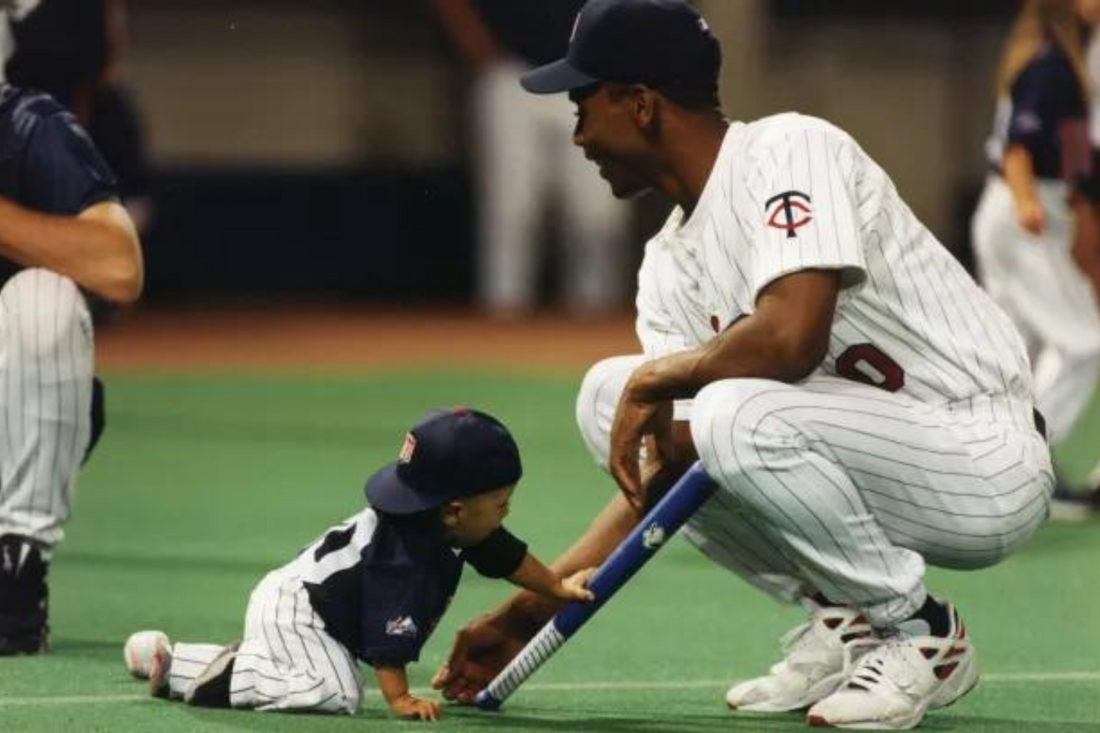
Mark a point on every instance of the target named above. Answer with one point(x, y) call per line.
point(868, 364)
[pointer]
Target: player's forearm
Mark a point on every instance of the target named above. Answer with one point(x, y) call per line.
point(785, 340)
point(99, 251)
point(752, 352)
point(468, 32)
point(1019, 175)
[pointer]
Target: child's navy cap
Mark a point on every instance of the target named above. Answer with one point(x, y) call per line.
point(660, 43)
point(448, 455)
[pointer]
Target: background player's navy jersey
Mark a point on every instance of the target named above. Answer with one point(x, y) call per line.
point(1048, 115)
point(47, 162)
point(382, 583)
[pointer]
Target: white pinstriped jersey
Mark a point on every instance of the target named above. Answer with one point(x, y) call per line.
point(792, 192)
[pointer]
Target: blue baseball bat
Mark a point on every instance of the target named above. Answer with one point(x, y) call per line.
point(670, 513)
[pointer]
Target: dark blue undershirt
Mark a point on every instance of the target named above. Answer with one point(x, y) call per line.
point(47, 161)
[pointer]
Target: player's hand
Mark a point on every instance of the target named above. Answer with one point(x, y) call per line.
point(575, 587)
point(1030, 216)
point(481, 649)
point(634, 420)
point(413, 708)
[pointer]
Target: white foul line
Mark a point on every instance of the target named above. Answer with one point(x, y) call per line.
point(68, 699)
point(995, 678)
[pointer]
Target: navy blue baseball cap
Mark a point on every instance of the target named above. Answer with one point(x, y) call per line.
point(448, 455)
point(659, 43)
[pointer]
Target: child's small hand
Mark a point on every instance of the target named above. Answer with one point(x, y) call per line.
point(575, 587)
point(413, 708)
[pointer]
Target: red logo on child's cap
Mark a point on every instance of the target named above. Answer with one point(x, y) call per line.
point(407, 448)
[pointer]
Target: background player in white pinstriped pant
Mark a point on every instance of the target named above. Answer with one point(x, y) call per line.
point(863, 406)
point(62, 233)
point(1034, 223)
point(372, 588)
point(520, 152)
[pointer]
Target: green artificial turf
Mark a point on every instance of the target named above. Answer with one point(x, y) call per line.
point(204, 483)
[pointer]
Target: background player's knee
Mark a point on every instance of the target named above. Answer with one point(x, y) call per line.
point(734, 427)
point(45, 316)
point(598, 398)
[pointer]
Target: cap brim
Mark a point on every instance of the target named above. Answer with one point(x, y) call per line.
point(556, 77)
point(388, 493)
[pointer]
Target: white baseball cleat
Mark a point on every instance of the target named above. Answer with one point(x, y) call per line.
point(897, 681)
point(138, 651)
point(812, 667)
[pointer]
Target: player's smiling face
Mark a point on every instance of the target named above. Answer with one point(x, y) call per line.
point(608, 132)
point(469, 521)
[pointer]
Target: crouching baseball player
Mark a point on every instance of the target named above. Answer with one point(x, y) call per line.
point(862, 406)
point(372, 588)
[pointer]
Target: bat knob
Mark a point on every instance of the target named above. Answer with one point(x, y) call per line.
point(486, 701)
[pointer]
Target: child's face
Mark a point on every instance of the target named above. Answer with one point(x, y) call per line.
point(469, 521)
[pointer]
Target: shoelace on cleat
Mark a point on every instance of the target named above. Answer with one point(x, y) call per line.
point(861, 663)
point(800, 648)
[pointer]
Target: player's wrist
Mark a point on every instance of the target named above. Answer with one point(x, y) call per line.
point(525, 614)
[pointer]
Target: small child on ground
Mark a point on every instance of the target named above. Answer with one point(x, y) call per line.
point(370, 589)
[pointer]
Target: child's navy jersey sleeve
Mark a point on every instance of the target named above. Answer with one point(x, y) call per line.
point(393, 618)
point(402, 602)
point(498, 556)
point(63, 173)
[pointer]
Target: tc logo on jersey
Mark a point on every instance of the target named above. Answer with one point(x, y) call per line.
point(407, 449)
point(789, 210)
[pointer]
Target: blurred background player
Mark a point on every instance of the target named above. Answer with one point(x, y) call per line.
point(73, 50)
point(1034, 227)
point(523, 163)
point(372, 588)
point(1086, 500)
point(62, 233)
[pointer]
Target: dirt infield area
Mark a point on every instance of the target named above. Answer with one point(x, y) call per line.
point(326, 337)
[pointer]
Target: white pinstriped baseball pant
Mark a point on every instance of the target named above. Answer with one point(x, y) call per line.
point(1038, 284)
point(46, 363)
point(286, 662)
point(524, 154)
point(837, 487)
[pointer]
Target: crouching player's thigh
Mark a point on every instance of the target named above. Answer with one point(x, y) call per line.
point(963, 484)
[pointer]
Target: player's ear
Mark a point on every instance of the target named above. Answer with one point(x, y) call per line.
point(643, 107)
